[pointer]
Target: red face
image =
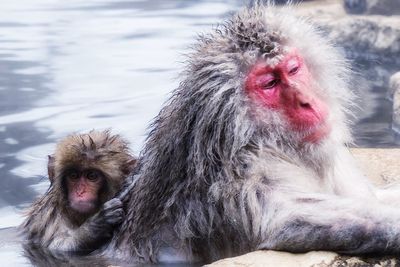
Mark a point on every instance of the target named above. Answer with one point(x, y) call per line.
point(288, 89)
point(83, 190)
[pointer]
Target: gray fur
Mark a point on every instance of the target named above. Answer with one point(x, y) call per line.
point(221, 175)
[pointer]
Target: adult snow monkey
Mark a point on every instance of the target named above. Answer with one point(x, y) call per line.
point(250, 153)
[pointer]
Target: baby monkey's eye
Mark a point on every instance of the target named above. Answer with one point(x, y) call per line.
point(93, 175)
point(73, 175)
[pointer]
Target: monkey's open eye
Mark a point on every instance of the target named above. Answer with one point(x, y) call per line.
point(74, 175)
point(93, 175)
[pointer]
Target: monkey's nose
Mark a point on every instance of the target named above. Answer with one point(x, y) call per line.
point(299, 97)
point(81, 191)
point(303, 101)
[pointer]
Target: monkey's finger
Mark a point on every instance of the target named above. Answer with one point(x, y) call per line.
point(112, 204)
point(115, 217)
point(123, 195)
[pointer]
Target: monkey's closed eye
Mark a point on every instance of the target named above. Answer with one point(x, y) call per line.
point(294, 70)
point(271, 84)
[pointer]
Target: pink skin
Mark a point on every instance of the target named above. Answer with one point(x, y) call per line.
point(83, 192)
point(288, 87)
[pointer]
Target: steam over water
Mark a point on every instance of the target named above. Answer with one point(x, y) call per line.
point(76, 65)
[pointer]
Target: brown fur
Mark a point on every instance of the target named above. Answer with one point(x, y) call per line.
point(50, 222)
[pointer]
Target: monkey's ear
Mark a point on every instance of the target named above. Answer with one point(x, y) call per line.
point(129, 166)
point(50, 168)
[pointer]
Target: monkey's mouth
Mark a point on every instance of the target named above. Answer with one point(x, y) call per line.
point(83, 206)
point(317, 133)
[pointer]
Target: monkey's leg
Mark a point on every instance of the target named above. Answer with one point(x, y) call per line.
point(344, 225)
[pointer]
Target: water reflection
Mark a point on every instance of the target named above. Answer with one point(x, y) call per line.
point(76, 65)
point(42, 258)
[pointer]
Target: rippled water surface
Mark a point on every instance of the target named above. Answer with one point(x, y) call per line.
point(77, 65)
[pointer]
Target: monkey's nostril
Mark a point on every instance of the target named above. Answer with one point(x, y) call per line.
point(305, 105)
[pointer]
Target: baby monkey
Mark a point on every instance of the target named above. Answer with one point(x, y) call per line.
point(85, 173)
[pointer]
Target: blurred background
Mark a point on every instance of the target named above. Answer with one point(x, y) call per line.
point(72, 66)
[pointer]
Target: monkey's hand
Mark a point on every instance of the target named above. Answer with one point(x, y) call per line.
point(112, 212)
point(96, 231)
point(107, 219)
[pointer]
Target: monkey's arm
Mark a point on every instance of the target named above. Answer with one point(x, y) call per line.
point(349, 181)
point(303, 211)
point(308, 222)
point(92, 234)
